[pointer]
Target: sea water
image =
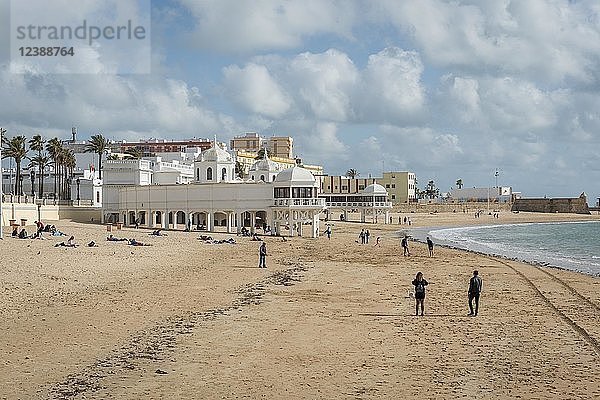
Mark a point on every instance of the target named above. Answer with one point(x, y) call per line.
point(572, 245)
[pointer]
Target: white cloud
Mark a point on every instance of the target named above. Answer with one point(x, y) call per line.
point(323, 144)
point(554, 39)
point(242, 26)
point(391, 86)
point(115, 105)
point(324, 82)
point(253, 88)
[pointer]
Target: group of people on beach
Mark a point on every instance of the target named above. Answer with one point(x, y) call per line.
point(475, 287)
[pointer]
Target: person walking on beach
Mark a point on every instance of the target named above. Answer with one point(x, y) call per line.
point(262, 256)
point(405, 246)
point(420, 284)
point(367, 235)
point(361, 236)
point(475, 286)
point(430, 246)
point(328, 232)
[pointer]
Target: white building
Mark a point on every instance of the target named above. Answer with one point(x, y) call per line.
point(500, 194)
point(286, 200)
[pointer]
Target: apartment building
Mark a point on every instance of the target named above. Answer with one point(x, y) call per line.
point(401, 186)
point(252, 142)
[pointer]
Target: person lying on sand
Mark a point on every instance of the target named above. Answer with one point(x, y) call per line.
point(134, 242)
point(69, 243)
point(158, 233)
point(23, 234)
point(111, 238)
point(92, 244)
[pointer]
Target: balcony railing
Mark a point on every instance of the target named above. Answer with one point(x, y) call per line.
point(309, 202)
point(357, 204)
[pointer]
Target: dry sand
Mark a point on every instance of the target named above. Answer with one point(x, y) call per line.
point(328, 319)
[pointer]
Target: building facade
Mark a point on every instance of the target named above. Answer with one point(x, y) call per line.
point(289, 204)
point(401, 186)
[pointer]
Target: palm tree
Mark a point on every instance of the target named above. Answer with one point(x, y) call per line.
point(16, 148)
point(68, 164)
point(134, 152)
point(99, 145)
point(36, 143)
point(54, 148)
point(459, 183)
point(41, 162)
point(352, 173)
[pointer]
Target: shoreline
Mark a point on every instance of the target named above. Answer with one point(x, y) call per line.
point(419, 234)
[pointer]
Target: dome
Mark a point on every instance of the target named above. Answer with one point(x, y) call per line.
point(264, 164)
point(296, 175)
point(375, 189)
point(217, 154)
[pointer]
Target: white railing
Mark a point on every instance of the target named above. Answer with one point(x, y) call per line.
point(357, 204)
point(310, 202)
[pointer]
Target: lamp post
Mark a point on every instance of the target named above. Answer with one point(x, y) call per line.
point(2, 132)
point(32, 176)
point(21, 185)
point(78, 182)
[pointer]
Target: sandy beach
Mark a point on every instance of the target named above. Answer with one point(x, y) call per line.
point(183, 319)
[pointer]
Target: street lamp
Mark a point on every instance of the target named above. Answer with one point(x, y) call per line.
point(2, 132)
point(78, 182)
point(32, 176)
point(21, 185)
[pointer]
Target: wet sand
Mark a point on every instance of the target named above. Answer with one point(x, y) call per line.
point(327, 319)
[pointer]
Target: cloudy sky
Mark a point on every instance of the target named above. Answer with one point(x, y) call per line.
point(447, 89)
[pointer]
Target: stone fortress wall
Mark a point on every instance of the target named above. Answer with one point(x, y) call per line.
point(576, 205)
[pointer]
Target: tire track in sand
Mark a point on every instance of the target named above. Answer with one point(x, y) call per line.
point(562, 315)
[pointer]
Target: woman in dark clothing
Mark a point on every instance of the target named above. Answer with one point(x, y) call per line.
point(419, 284)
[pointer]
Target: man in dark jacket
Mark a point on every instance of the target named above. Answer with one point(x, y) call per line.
point(475, 286)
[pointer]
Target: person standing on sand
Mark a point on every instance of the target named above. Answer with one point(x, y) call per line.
point(367, 235)
point(328, 232)
point(475, 286)
point(361, 236)
point(405, 246)
point(430, 246)
point(420, 284)
point(262, 256)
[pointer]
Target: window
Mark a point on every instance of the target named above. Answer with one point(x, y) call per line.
point(224, 174)
point(393, 197)
point(387, 185)
point(393, 185)
point(197, 174)
point(209, 174)
point(262, 178)
point(280, 193)
point(97, 197)
point(361, 187)
point(344, 187)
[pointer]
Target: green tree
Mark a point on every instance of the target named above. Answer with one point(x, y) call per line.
point(99, 145)
point(261, 154)
point(68, 163)
point(16, 148)
point(431, 191)
point(55, 148)
point(134, 152)
point(352, 173)
point(459, 183)
point(36, 143)
point(240, 170)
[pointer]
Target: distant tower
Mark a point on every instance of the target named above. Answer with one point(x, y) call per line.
point(74, 134)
